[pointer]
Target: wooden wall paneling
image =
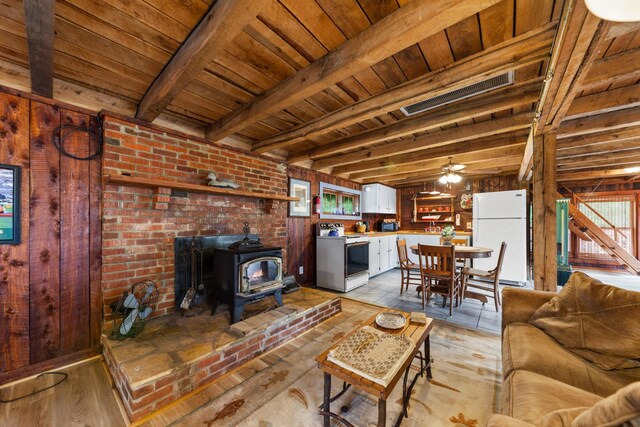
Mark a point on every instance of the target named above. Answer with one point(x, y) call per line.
point(301, 239)
point(95, 244)
point(74, 246)
point(14, 259)
point(44, 239)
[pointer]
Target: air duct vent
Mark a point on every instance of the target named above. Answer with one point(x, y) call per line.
point(458, 94)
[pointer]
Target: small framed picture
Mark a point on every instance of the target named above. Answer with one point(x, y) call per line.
point(301, 190)
point(9, 204)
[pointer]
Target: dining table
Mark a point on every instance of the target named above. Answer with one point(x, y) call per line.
point(466, 252)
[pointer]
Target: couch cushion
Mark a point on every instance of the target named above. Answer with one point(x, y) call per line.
point(600, 323)
point(529, 397)
point(615, 410)
point(526, 347)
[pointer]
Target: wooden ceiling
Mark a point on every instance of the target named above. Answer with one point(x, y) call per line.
point(321, 82)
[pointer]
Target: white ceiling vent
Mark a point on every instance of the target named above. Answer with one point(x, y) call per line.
point(458, 94)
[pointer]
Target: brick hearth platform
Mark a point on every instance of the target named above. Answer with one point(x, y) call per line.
point(176, 355)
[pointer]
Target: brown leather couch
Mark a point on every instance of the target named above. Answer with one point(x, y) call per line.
point(545, 383)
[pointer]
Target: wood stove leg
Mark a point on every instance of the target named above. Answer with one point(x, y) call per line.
point(236, 313)
point(278, 296)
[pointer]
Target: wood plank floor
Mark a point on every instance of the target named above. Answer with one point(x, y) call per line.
point(85, 398)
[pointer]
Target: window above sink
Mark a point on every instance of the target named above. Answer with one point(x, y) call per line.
point(340, 202)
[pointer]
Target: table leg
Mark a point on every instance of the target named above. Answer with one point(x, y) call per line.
point(427, 357)
point(327, 397)
point(382, 412)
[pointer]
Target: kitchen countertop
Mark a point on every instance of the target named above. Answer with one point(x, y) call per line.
point(422, 232)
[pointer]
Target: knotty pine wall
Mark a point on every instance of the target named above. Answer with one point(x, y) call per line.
point(50, 282)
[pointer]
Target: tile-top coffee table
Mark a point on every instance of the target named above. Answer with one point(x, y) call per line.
point(418, 333)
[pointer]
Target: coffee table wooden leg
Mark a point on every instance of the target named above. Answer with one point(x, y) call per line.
point(382, 412)
point(427, 356)
point(327, 399)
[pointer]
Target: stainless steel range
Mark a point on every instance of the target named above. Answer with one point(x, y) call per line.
point(342, 261)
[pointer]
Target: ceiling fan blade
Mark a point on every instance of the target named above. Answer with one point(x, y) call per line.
point(127, 323)
point(457, 167)
point(130, 301)
point(146, 312)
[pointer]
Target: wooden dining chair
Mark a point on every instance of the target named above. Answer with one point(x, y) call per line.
point(438, 274)
point(481, 284)
point(460, 262)
point(409, 271)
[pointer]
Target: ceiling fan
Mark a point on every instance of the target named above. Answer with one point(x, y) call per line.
point(449, 175)
point(451, 172)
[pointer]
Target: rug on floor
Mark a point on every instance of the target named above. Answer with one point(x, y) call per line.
point(464, 390)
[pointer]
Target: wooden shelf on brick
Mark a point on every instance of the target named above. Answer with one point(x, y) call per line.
point(163, 189)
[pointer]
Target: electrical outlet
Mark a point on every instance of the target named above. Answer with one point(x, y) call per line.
point(301, 270)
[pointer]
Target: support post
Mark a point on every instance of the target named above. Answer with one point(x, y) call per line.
point(544, 213)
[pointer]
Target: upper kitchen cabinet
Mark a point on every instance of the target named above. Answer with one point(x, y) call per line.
point(378, 198)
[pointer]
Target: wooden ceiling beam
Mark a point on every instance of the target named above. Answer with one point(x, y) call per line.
point(526, 165)
point(611, 69)
point(603, 148)
point(454, 149)
point(481, 168)
point(499, 100)
point(593, 174)
point(491, 153)
point(410, 24)
point(605, 102)
point(526, 49)
point(612, 160)
point(615, 120)
point(599, 138)
point(222, 23)
point(618, 29)
point(579, 45)
point(39, 24)
point(396, 152)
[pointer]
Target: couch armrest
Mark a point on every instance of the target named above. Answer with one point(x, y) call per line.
point(519, 304)
point(505, 421)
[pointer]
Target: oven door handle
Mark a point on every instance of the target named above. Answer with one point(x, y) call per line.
point(357, 244)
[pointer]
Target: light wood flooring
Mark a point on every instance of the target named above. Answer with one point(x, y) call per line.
point(84, 398)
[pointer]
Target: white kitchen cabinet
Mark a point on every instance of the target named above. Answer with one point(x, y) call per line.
point(374, 256)
point(378, 198)
point(383, 254)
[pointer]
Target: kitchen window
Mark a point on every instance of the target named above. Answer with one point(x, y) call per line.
point(339, 202)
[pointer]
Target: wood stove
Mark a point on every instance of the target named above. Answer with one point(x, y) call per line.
point(245, 275)
point(236, 270)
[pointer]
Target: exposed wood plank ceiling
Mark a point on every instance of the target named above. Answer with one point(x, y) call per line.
point(320, 82)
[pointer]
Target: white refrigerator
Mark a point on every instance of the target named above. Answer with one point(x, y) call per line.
point(502, 217)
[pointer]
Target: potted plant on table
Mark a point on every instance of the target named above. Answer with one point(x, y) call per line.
point(447, 234)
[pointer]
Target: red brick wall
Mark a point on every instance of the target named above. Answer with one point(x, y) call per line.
point(138, 239)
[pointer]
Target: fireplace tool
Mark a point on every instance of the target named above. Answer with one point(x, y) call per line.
point(192, 254)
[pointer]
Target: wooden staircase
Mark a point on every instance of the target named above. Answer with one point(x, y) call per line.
point(586, 229)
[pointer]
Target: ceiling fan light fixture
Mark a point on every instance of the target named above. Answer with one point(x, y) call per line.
point(450, 178)
point(615, 10)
